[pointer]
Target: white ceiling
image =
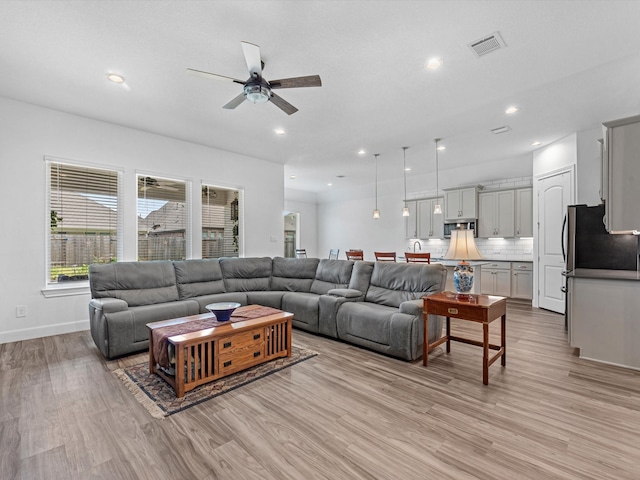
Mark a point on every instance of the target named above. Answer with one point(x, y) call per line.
point(569, 66)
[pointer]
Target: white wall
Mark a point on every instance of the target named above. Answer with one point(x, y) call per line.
point(28, 132)
point(305, 204)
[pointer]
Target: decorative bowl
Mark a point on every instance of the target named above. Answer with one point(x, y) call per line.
point(223, 310)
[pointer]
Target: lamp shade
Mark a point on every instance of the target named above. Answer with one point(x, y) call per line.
point(462, 246)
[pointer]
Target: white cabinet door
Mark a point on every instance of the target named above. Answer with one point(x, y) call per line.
point(622, 147)
point(461, 204)
point(496, 279)
point(411, 222)
point(468, 202)
point(452, 206)
point(524, 212)
point(425, 214)
point(496, 214)
point(522, 284)
point(429, 225)
point(502, 283)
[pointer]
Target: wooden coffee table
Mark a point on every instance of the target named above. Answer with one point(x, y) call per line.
point(206, 355)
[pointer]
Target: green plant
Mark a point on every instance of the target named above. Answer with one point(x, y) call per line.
point(55, 219)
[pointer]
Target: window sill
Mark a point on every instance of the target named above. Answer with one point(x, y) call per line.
point(79, 288)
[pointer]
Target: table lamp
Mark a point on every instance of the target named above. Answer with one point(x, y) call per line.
point(463, 247)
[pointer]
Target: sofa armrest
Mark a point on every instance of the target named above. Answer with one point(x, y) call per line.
point(108, 305)
point(350, 293)
point(412, 307)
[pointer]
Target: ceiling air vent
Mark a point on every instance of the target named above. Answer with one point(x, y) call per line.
point(487, 44)
point(501, 129)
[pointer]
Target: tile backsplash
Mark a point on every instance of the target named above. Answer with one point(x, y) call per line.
point(513, 249)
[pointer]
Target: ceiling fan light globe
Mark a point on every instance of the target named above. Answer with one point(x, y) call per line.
point(257, 93)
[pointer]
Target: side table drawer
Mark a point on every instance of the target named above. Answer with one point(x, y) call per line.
point(467, 312)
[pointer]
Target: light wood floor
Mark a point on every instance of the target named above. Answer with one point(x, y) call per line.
point(345, 414)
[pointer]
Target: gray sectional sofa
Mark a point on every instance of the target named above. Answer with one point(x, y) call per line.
point(374, 305)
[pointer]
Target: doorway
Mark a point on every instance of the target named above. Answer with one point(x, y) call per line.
point(555, 193)
point(291, 227)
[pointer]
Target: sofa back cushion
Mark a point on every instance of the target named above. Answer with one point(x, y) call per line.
point(394, 283)
point(198, 277)
point(246, 274)
point(361, 276)
point(137, 283)
point(293, 274)
point(331, 274)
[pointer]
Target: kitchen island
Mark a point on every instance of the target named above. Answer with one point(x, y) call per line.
point(603, 315)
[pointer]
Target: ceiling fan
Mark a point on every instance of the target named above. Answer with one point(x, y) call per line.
point(256, 89)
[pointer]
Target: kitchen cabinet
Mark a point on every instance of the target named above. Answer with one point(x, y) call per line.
point(411, 222)
point(429, 225)
point(524, 212)
point(461, 204)
point(496, 214)
point(522, 280)
point(622, 159)
point(496, 279)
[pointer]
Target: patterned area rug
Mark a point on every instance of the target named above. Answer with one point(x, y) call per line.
point(160, 400)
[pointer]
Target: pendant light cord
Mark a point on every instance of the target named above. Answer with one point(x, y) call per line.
point(404, 166)
point(376, 155)
point(437, 170)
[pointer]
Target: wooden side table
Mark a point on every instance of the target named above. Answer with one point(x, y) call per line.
point(482, 309)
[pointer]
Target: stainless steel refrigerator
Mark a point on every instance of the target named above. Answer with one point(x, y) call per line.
point(590, 246)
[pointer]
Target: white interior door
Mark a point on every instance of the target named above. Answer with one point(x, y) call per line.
point(555, 193)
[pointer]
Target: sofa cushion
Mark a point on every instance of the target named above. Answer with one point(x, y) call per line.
point(198, 277)
point(304, 307)
point(331, 274)
point(369, 321)
point(394, 283)
point(267, 299)
point(246, 274)
point(137, 283)
point(293, 274)
point(361, 276)
point(204, 300)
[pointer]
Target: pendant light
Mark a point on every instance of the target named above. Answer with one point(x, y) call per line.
point(405, 210)
point(437, 209)
point(376, 212)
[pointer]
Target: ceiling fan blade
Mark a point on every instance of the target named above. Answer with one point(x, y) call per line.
point(252, 57)
point(296, 82)
point(200, 73)
point(235, 102)
point(282, 104)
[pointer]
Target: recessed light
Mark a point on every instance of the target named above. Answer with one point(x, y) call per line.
point(408, 169)
point(115, 78)
point(511, 110)
point(536, 143)
point(329, 184)
point(361, 152)
point(279, 131)
point(442, 147)
point(434, 63)
point(340, 176)
point(292, 177)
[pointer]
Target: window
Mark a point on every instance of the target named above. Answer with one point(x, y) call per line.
point(84, 219)
point(163, 219)
point(221, 222)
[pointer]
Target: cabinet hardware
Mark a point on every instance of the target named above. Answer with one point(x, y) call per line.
point(227, 363)
point(226, 344)
point(256, 354)
point(452, 311)
point(256, 336)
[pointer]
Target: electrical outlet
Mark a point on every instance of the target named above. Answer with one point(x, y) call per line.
point(21, 311)
point(273, 239)
point(527, 250)
point(496, 251)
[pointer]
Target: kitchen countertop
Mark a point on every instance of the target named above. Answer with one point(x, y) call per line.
point(604, 274)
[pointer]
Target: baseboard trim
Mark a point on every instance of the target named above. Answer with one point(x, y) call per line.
point(43, 331)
